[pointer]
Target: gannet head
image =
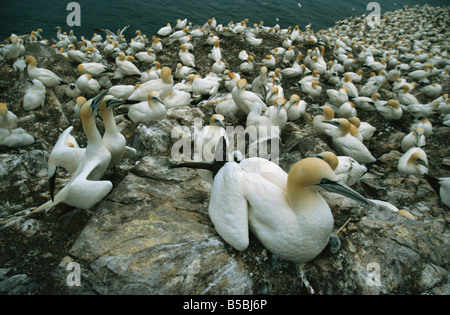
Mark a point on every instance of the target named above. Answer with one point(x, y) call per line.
point(217, 43)
point(80, 69)
point(30, 60)
point(121, 56)
point(153, 97)
point(328, 112)
point(217, 120)
point(393, 103)
point(314, 173)
point(418, 158)
point(279, 103)
point(314, 84)
point(295, 99)
point(343, 124)
point(241, 84)
point(3, 109)
point(166, 75)
point(330, 158)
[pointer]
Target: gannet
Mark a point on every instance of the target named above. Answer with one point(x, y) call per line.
point(47, 77)
point(290, 219)
point(275, 92)
point(113, 140)
point(150, 110)
point(425, 124)
point(147, 57)
point(390, 110)
point(277, 113)
point(248, 65)
point(85, 189)
point(177, 98)
point(315, 76)
point(422, 75)
point(87, 85)
point(245, 99)
point(338, 97)
point(125, 67)
point(347, 110)
point(10, 135)
point(313, 89)
point(259, 84)
point(415, 138)
point(269, 61)
point(345, 144)
point(122, 91)
point(433, 90)
point(186, 57)
point(296, 70)
point(406, 98)
point(365, 129)
point(414, 161)
point(352, 91)
point(165, 31)
point(319, 125)
point(355, 77)
point(206, 85)
point(441, 186)
point(230, 79)
point(75, 55)
point(366, 103)
point(156, 46)
point(216, 52)
point(218, 67)
point(181, 24)
point(347, 170)
point(206, 143)
point(72, 91)
point(295, 107)
point(95, 69)
point(34, 96)
point(163, 85)
point(182, 71)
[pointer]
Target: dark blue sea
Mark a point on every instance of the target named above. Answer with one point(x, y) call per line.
point(21, 17)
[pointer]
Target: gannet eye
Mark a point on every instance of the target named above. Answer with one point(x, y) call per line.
point(325, 181)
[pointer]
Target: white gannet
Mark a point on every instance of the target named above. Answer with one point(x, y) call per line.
point(230, 79)
point(345, 144)
point(365, 129)
point(147, 57)
point(244, 99)
point(296, 70)
point(259, 84)
point(319, 125)
point(165, 31)
point(187, 58)
point(85, 189)
point(181, 24)
point(425, 124)
point(347, 110)
point(248, 65)
point(47, 77)
point(275, 92)
point(415, 138)
point(156, 46)
point(125, 67)
point(352, 91)
point(347, 170)
point(422, 110)
point(177, 98)
point(163, 85)
point(34, 96)
point(441, 186)
point(366, 103)
point(390, 110)
point(338, 97)
point(150, 110)
point(72, 91)
point(433, 90)
point(277, 113)
point(206, 85)
point(113, 140)
point(10, 135)
point(216, 52)
point(95, 69)
point(414, 161)
point(422, 75)
point(315, 76)
point(76, 55)
point(87, 85)
point(295, 107)
point(122, 91)
point(269, 61)
point(406, 98)
point(313, 89)
point(218, 67)
point(290, 218)
point(182, 71)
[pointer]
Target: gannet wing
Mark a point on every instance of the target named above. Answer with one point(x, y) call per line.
point(268, 170)
point(228, 208)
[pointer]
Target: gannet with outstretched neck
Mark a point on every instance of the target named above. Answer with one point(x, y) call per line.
point(85, 189)
point(284, 211)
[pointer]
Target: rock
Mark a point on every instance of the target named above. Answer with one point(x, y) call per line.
point(149, 240)
point(432, 275)
point(19, 285)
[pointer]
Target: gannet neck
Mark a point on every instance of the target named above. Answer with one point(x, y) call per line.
point(108, 118)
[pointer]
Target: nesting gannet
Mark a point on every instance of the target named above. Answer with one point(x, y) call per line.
point(433, 90)
point(406, 98)
point(277, 113)
point(216, 52)
point(415, 138)
point(34, 96)
point(347, 170)
point(150, 110)
point(113, 140)
point(165, 31)
point(441, 186)
point(347, 110)
point(370, 88)
point(422, 75)
point(390, 110)
point(206, 85)
point(75, 55)
point(248, 65)
point(95, 69)
point(87, 85)
point(85, 189)
point(244, 99)
point(182, 71)
point(296, 70)
point(125, 67)
point(218, 67)
point(338, 97)
point(345, 144)
point(163, 85)
point(275, 92)
point(147, 57)
point(10, 135)
point(73, 91)
point(356, 77)
point(177, 98)
point(315, 76)
point(122, 91)
point(206, 143)
point(269, 61)
point(313, 89)
point(352, 91)
point(366, 103)
point(290, 219)
point(365, 129)
point(47, 77)
point(259, 84)
point(319, 125)
point(414, 161)
point(186, 57)
point(230, 79)
point(181, 24)
point(295, 107)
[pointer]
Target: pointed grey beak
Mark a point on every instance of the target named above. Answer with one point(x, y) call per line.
point(342, 189)
point(98, 100)
point(332, 122)
point(422, 162)
point(114, 102)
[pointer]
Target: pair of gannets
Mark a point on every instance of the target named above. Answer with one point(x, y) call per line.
point(291, 219)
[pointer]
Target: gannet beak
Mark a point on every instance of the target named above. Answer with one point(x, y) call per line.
point(422, 162)
point(279, 109)
point(289, 105)
point(114, 102)
point(98, 100)
point(342, 189)
point(332, 122)
point(221, 124)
